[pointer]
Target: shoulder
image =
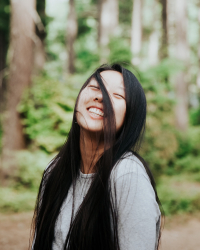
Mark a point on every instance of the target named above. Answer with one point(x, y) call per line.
point(128, 165)
point(132, 186)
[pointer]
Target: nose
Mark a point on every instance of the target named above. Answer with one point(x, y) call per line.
point(98, 97)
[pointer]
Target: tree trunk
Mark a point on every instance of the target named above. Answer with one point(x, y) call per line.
point(22, 32)
point(198, 74)
point(153, 50)
point(108, 20)
point(164, 40)
point(108, 24)
point(39, 46)
point(72, 29)
point(182, 54)
point(3, 52)
point(136, 31)
point(171, 21)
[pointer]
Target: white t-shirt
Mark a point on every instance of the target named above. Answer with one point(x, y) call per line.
point(138, 211)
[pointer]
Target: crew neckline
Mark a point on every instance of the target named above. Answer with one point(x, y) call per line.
point(86, 175)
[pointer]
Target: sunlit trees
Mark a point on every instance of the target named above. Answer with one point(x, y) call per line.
point(182, 54)
point(72, 29)
point(21, 50)
point(108, 23)
point(198, 74)
point(136, 31)
point(153, 50)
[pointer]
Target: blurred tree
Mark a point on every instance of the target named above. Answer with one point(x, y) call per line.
point(153, 49)
point(182, 54)
point(164, 40)
point(198, 74)
point(4, 34)
point(108, 23)
point(125, 13)
point(22, 33)
point(72, 28)
point(39, 46)
point(136, 31)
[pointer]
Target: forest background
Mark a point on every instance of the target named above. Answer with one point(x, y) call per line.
point(47, 51)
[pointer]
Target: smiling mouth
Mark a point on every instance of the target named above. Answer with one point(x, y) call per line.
point(96, 111)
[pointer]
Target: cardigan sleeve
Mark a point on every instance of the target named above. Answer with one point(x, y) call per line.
point(138, 211)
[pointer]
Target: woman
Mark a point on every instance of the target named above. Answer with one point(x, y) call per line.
point(98, 193)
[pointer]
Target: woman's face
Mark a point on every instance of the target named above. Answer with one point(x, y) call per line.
point(90, 104)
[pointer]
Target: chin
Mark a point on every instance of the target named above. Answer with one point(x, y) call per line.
point(94, 130)
point(92, 126)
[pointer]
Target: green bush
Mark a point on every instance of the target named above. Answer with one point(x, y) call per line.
point(12, 200)
point(188, 153)
point(86, 60)
point(161, 142)
point(189, 163)
point(119, 51)
point(195, 116)
point(47, 111)
point(179, 194)
point(30, 168)
point(189, 143)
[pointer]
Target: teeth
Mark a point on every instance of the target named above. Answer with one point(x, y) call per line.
point(96, 111)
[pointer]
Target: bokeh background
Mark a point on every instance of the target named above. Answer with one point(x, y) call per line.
point(47, 51)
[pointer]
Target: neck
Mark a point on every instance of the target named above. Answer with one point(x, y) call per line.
point(91, 148)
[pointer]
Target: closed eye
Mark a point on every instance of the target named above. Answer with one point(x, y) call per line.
point(93, 86)
point(118, 95)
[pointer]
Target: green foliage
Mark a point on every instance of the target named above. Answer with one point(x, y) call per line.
point(119, 51)
point(188, 163)
point(86, 59)
point(125, 13)
point(179, 194)
point(195, 116)
point(189, 143)
point(12, 200)
point(40, 7)
point(161, 142)
point(173, 203)
point(4, 29)
point(188, 153)
point(47, 109)
point(31, 165)
point(4, 15)
point(83, 27)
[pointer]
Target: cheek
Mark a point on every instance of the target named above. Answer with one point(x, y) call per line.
point(83, 98)
point(120, 113)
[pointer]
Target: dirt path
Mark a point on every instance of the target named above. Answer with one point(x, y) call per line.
point(15, 231)
point(180, 232)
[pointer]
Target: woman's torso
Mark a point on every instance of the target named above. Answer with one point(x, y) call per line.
point(138, 210)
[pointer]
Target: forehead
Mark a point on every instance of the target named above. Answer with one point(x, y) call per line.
point(112, 78)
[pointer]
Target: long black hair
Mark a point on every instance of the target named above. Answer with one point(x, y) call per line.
point(91, 227)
